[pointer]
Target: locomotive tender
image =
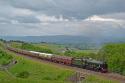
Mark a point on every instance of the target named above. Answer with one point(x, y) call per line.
point(84, 63)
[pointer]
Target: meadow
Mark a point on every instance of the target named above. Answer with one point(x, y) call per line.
point(27, 70)
point(58, 49)
point(112, 53)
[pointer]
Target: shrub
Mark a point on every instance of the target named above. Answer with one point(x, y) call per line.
point(114, 54)
point(23, 74)
point(5, 58)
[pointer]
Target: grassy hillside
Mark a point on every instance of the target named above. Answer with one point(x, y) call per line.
point(114, 54)
point(4, 57)
point(41, 73)
point(33, 72)
point(55, 49)
point(26, 70)
point(28, 46)
point(97, 79)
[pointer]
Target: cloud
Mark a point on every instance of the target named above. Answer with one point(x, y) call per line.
point(59, 17)
point(98, 18)
point(45, 18)
point(72, 8)
point(84, 28)
point(22, 12)
point(14, 22)
point(119, 15)
point(120, 23)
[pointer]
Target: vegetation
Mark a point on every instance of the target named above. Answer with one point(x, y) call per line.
point(5, 58)
point(1, 44)
point(31, 71)
point(1, 40)
point(97, 79)
point(114, 55)
point(28, 46)
point(23, 74)
point(39, 71)
point(83, 53)
point(34, 72)
point(55, 49)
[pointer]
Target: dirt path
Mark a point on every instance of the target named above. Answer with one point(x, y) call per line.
point(110, 76)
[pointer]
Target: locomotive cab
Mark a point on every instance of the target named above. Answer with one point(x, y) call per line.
point(104, 68)
point(95, 65)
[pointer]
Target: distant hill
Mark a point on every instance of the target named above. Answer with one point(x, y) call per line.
point(50, 39)
point(63, 39)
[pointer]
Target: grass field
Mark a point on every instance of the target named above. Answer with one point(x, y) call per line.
point(113, 53)
point(97, 79)
point(58, 49)
point(41, 73)
point(26, 70)
point(31, 71)
point(34, 72)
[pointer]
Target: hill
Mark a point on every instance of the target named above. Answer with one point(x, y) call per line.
point(81, 42)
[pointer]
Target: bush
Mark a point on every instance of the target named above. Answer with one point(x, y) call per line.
point(114, 54)
point(5, 58)
point(23, 74)
point(69, 53)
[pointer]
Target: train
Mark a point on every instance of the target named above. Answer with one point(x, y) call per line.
point(85, 63)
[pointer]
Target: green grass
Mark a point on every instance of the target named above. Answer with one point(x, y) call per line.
point(114, 54)
point(30, 71)
point(4, 57)
point(29, 46)
point(41, 71)
point(97, 79)
point(55, 49)
point(37, 73)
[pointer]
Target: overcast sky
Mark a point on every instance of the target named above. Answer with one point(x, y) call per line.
point(62, 17)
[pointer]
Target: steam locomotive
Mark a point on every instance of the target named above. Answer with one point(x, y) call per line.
point(84, 63)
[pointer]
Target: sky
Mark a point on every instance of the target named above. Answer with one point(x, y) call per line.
point(62, 17)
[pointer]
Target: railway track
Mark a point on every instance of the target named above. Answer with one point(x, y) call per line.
point(110, 76)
